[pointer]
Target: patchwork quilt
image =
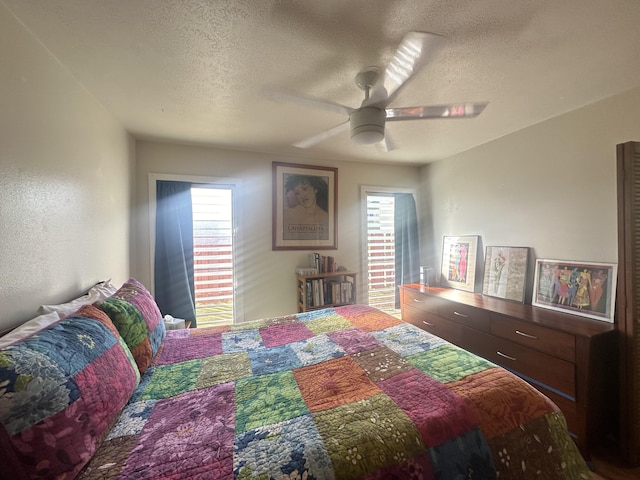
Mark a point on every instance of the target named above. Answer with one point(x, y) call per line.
point(339, 393)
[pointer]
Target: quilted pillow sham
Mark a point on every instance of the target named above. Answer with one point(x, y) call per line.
point(60, 392)
point(137, 317)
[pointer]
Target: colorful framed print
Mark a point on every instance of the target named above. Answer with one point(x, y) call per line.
point(505, 272)
point(581, 288)
point(304, 207)
point(459, 256)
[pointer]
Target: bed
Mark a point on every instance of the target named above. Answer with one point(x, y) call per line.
point(339, 393)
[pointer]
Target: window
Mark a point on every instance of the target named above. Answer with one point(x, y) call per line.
point(213, 254)
point(380, 226)
point(381, 251)
point(216, 279)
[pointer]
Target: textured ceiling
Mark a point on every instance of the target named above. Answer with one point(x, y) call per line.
point(197, 71)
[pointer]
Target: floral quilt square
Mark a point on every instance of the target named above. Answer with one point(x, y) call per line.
point(328, 323)
point(381, 362)
point(189, 348)
point(194, 437)
point(316, 350)
point(353, 340)
point(275, 335)
point(332, 383)
point(223, 368)
point(132, 419)
point(314, 314)
point(205, 331)
point(531, 449)
point(504, 401)
point(406, 339)
point(169, 380)
point(271, 360)
point(294, 448)
point(240, 341)
point(267, 399)
point(467, 456)
point(369, 319)
point(364, 436)
point(448, 363)
point(443, 416)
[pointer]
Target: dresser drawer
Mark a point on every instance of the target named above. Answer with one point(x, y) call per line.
point(466, 315)
point(417, 300)
point(553, 342)
point(546, 369)
point(450, 331)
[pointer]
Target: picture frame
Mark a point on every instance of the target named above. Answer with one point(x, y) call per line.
point(505, 272)
point(587, 289)
point(459, 257)
point(305, 199)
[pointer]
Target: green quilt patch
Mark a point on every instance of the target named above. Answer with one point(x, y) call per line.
point(267, 399)
point(448, 363)
point(223, 368)
point(360, 439)
point(171, 380)
point(328, 323)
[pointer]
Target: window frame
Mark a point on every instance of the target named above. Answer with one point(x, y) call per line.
point(235, 185)
point(366, 190)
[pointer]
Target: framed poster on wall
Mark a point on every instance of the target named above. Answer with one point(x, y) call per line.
point(304, 207)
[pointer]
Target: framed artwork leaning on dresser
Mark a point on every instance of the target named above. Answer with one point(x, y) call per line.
point(505, 272)
point(582, 288)
point(459, 257)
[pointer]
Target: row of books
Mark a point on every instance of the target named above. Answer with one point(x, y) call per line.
point(324, 263)
point(320, 291)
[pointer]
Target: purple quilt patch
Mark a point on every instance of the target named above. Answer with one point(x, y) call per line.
point(177, 349)
point(191, 434)
point(443, 416)
point(275, 335)
point(354, 340)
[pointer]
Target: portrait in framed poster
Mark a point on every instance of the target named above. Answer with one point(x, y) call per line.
point(304, 207)
point(580, 288)
point(505, 272)
point(459, 255)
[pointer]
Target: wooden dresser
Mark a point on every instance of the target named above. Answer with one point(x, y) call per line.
point(571, 359)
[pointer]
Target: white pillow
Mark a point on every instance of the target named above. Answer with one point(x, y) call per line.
point(29, 328)
point(103, 289)
point(97, 293)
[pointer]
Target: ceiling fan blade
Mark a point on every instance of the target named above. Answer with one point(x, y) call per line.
point(415, 50)
point(387, 144)
point(308, 142)
point(457, 110)
point(281, 96)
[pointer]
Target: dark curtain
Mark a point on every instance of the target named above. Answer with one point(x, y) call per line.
point(406, 241)
point(174, 279)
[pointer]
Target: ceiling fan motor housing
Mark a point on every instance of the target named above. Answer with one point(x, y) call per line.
point(367, 125)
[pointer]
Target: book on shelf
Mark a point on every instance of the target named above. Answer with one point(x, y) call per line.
point(320, 292)
point(324, 263)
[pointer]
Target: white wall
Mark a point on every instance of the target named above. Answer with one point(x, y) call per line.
point(551, 187)
point(269, 279)
point(65, 182)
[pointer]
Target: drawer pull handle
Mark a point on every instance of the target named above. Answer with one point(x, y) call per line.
point(417, 301)
point(508, 357)
point(427, 323)
point(460, 314)
point(526, 335)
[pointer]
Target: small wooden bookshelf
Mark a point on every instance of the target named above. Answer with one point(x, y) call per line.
point(327, 289)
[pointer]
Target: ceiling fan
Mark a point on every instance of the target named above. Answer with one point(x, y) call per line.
point(367, 122)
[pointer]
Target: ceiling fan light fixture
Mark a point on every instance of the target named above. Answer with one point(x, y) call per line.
point(367, 125)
